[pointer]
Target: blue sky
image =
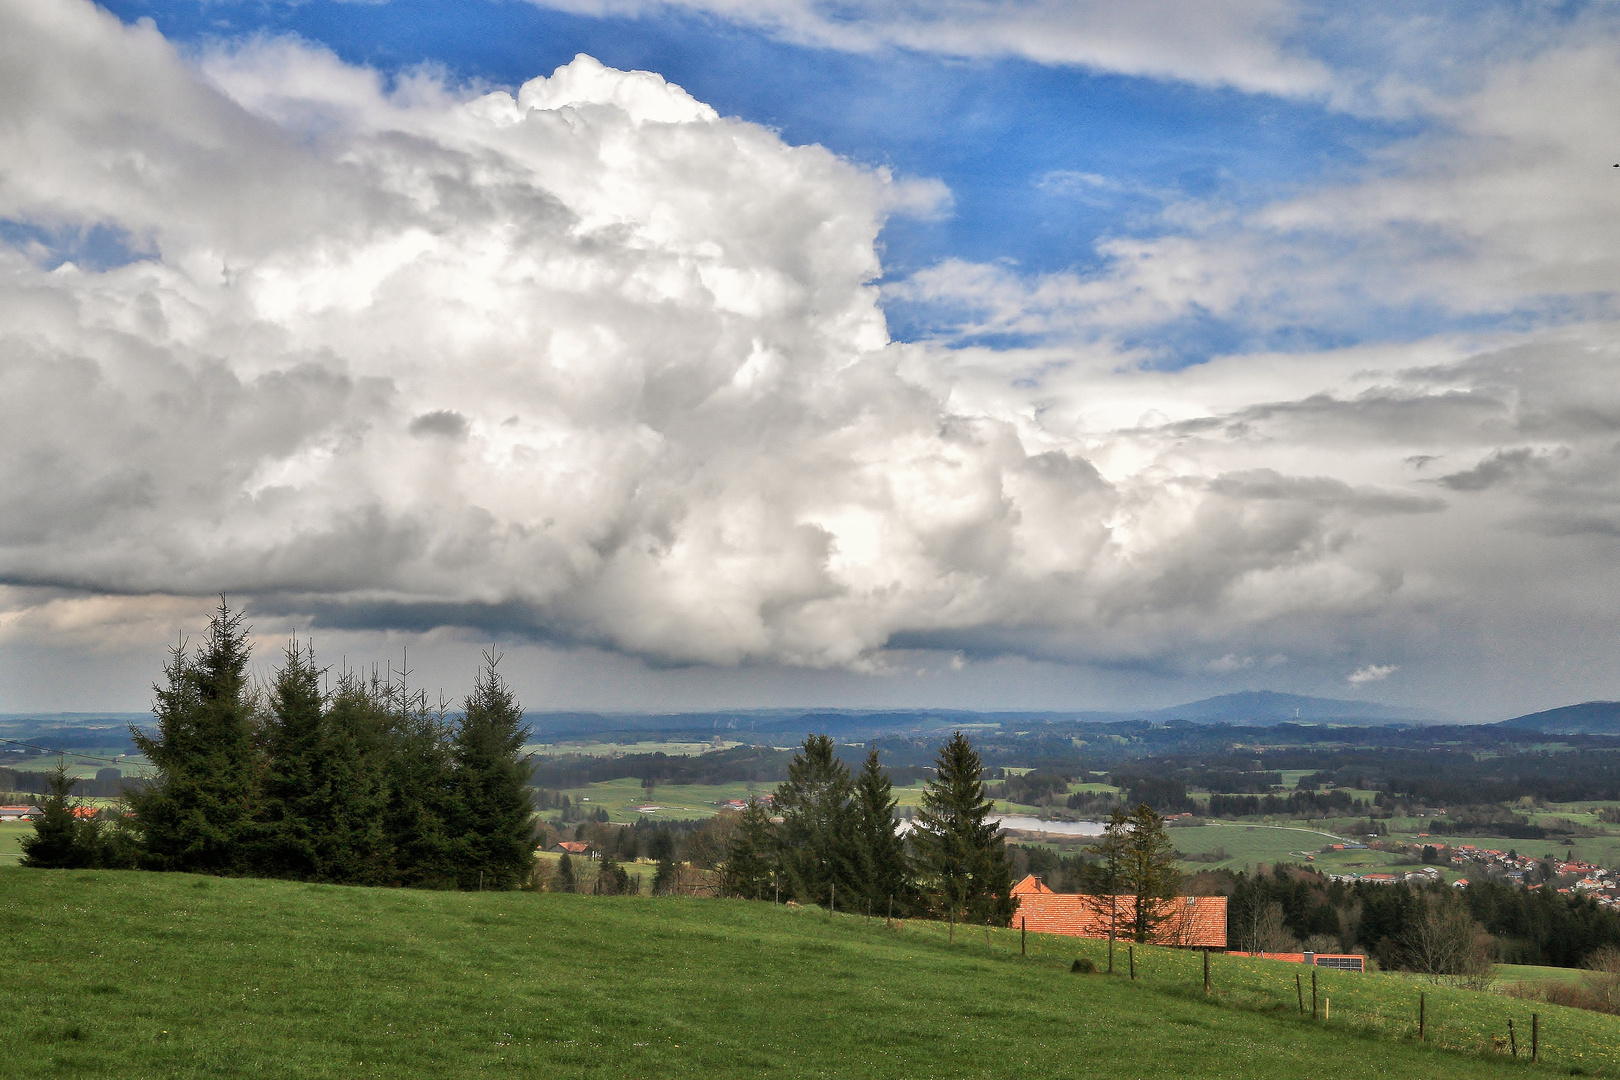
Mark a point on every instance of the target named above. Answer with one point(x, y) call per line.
point(1010, 137)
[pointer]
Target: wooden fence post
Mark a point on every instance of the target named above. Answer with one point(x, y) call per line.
point(1313, 993)
point(889, 922)
point(1023, 937)
point(1513, 1041)
point(1535, 1037)
point(1423, 1003)
point(1131, 955)
point(950, 914)
point(832, 906)
point(1206, 971)
point(1299, 989)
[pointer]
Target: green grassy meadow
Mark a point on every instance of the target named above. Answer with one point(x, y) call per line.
point(124, 974)
point(11, 834)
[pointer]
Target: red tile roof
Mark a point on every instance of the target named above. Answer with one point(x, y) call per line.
point(1030, 886)
point(1195, 921)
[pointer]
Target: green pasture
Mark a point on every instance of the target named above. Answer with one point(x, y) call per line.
point(11, 834)
point(1511, 974)
point(145, 975)
point(587, 748)
point(685, 802)
point(1246, 844)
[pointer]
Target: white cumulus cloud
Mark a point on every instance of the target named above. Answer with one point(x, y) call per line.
point(1371, 673)
point(590, 363)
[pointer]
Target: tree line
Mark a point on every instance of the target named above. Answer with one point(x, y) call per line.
point(1434, 929)
point(830, 837)
point(359, 781)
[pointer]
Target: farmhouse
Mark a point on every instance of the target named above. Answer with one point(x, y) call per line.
point(1197, 922)
point(19, 813)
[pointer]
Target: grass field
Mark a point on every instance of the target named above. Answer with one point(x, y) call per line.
point(1248, 844)
point(11, 834)
point(688, 801)
point(123, 974)
point(613, 749)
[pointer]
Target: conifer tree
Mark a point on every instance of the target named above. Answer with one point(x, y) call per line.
point(662, 849)
point(494, 834)
point(611, 878)
point(293, 805)
point(324, 785)
point(818, 823)
point(1104, 876)
point(750, 866)
point(960, 857)
point(61, 841)
point(880, 852)
point(420, 785)
point(352, 843)
point(1149, 871)
point(563, 879)
point(198, 813)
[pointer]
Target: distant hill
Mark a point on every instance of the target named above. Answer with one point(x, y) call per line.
point(1265, 707)
point(1587, 718)
point(785, 727)
point(74, 731)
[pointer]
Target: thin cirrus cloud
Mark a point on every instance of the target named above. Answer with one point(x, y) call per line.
point(1244, 44)
point(591, 364)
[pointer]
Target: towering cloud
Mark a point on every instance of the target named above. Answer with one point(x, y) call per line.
point(594, 364)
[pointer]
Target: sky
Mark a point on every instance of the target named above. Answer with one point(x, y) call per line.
point(1044, 354)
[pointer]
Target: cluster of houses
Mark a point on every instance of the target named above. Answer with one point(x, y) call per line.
point(1571, 876)
point(1427, 875)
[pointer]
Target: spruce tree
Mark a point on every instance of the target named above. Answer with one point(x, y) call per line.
point(961, 859)
point(325, 788)
point(198, 812)
point(662, 849)
point(880, 852)
point(61, 841)
point(750, 866)
point(1149, 871)
point(563, 879)
point(1104, 876)
point(494, 838)
point(352, 843)
point(420, 785)
point(818, 823)
point(295, 796)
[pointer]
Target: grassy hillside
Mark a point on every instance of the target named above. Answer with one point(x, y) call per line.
point(144, 975)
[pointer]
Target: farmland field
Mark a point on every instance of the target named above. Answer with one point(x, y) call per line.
point(614, 749)
point(11, 834)
point(145, 975)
